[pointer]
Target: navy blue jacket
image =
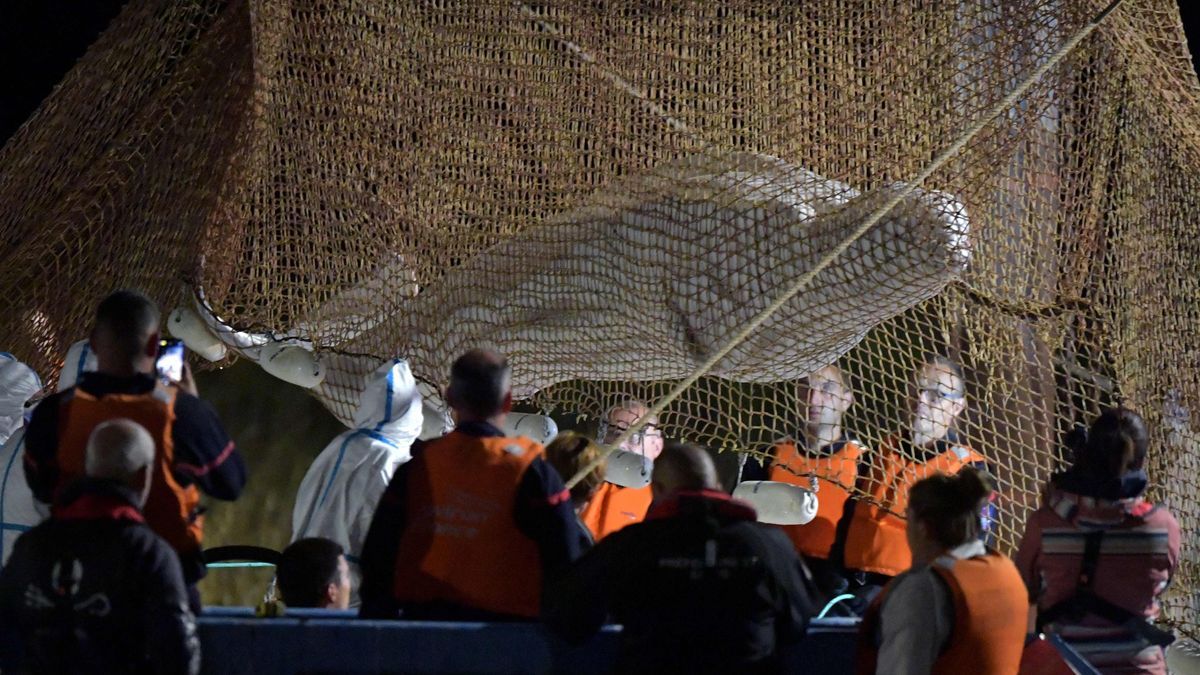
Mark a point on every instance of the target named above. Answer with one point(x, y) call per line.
point(699, 587)
point(94, 590)
point(542, 511)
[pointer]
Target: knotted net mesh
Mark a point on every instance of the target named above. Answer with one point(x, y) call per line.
point(610, 192)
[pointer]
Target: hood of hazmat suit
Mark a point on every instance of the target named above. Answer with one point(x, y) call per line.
point(80, 359)
point(18, 511)
point(338, 495)
point(18, 383)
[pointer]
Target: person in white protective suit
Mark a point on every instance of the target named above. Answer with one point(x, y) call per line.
point(18, 383)
point(338, 495)
point(19, 511)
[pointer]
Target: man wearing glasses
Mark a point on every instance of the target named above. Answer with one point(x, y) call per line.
point(613, 506)
point(824, 458)
point(876, 544)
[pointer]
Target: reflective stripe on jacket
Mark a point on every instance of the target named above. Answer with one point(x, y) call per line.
point(1138, 553)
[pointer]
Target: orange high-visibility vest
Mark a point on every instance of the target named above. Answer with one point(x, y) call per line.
point(835, 473)
point(461, 543)
point(991, 605)
point(614, 507)
point(171, 509)
point(876, 540)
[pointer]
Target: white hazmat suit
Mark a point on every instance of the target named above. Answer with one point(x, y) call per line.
point(18, 511)
point(338, 495)
point(18, 383)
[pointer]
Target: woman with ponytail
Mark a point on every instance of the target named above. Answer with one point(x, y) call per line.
point(961, 608)
point(1097, 555)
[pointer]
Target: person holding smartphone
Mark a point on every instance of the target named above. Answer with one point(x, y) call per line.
point(193, 453)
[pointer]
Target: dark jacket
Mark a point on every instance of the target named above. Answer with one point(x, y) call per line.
point(699, 587)
point(94, 590)
point(204, 454)
point(542, 511)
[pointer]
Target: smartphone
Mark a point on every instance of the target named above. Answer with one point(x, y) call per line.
point(170, 360)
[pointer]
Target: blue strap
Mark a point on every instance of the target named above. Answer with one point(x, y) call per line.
point(4, 488)
point(380, 437)
point(83, 354)
point(337, 465)
point(387, 405)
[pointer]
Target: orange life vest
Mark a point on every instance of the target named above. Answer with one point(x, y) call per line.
point(991, 606)
point(461, 543)
point(171, 509)
point(834, 472)
point(614, 507)
point(876, 540)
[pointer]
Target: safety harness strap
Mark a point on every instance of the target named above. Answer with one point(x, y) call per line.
point(1085, 601)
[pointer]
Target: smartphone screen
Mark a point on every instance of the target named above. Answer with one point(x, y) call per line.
point(170, 360)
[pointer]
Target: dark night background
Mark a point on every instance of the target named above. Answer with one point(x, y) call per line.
point(41, 39)
point(279, 434)
point(278, 427)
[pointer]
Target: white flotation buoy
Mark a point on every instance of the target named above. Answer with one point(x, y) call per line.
point(539, 428)
point(628, 469)
point(292, 364)
point(1183, 657)
point(186, 325)
point(778, 503)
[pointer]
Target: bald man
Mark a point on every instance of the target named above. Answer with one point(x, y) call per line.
point(472, 525)
point(700, 586)
point(94, 585)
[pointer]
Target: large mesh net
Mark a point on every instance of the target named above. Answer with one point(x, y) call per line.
point(611, 192)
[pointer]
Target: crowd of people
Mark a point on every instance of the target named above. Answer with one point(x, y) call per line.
point(478, 525)
point(121, 458)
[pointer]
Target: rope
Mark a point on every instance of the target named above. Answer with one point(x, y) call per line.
point(804, 280)
point(615, 79)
